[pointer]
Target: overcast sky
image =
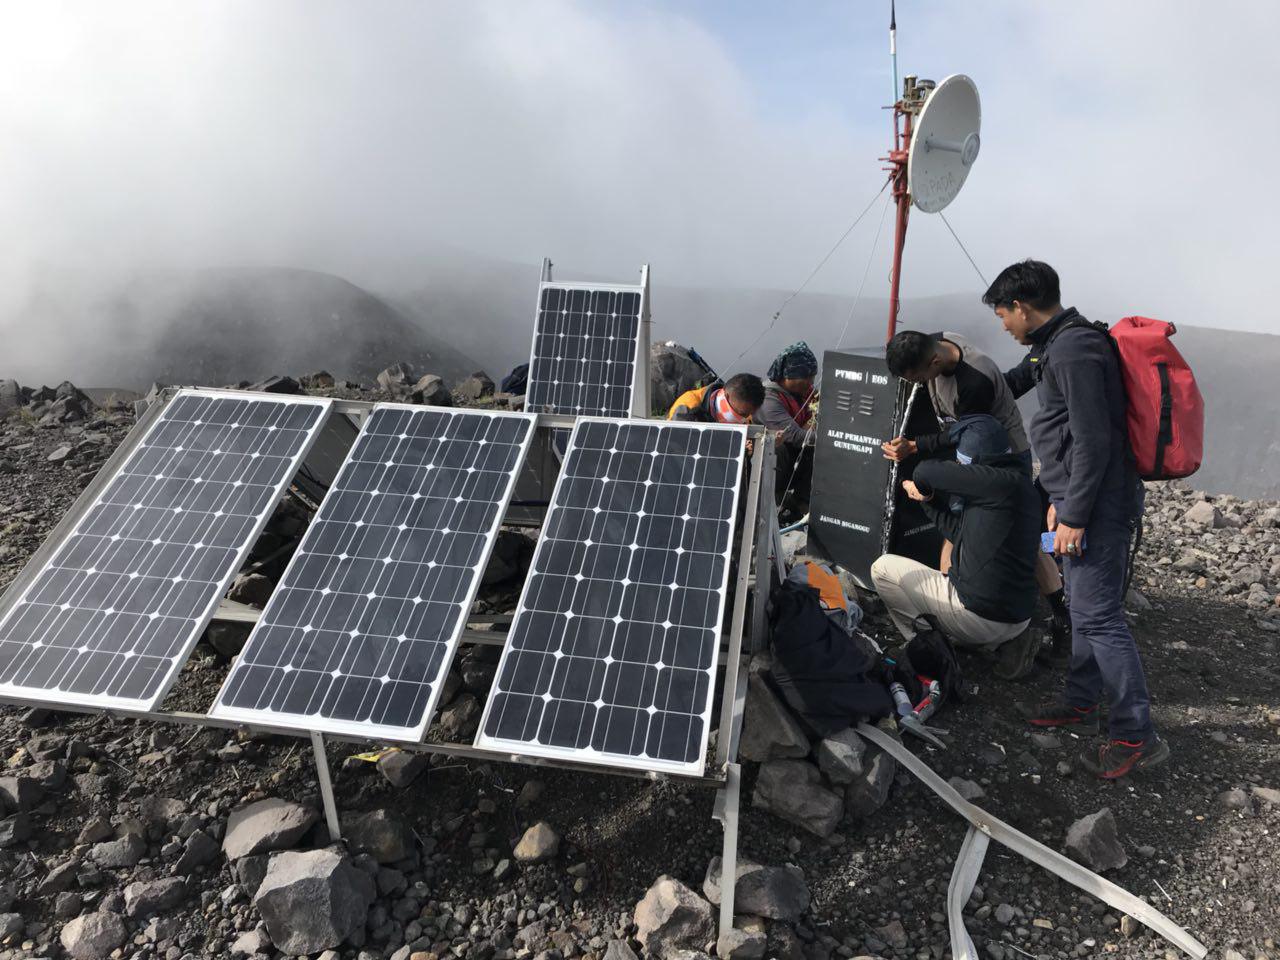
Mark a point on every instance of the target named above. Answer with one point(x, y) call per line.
point(725, 143)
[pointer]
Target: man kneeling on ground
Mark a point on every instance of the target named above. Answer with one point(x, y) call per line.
point(984, 503)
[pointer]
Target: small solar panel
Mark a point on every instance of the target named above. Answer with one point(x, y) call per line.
point(365, 620)
point(111, 617)
point(585, 346)
point(612, 651)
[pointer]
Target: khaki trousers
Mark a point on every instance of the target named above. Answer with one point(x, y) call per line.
point(910, 589)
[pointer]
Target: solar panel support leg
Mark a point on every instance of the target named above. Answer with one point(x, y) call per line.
point(726, 811)
point(326, 785)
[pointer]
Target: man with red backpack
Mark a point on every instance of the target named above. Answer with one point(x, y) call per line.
point(1080, 435)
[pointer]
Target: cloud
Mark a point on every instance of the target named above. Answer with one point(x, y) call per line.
point(1126, 143)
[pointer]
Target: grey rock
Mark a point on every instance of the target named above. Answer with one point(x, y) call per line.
point(432, 391)
point(147, 897)
point(252, 589)
point(119, 854)
point(672, 917)
point(458, 721)
point(14, 830)
point(619, 950)
point(227, 638)
point(200, 849)
point(67, 905)
point(476, 386)
point(778, 893)
point(505, 560)
point(402, 767)
point(1004, 914)
point(380, 834)
point(894, 934)
point(792, 790)
point(529, 794)
point(738, 944)
point(1204, 515)
point(20, 792)
point(869, 791)
point(60, 453)
point(539, 843)
point(396, 380)
point(769, 732)
point(93, 936)
point(313, 901)
point(840, 756)
point(276, 384)
point(95, 831)
point(255, 941)
point(11, 925)
point(967, 788)
point(271, 824)
point(1094, 841)
point(1236, 800)
point(1267, 795)
point(60, 877)
point(672, 371)
point(250, 871)
point(1046, 741)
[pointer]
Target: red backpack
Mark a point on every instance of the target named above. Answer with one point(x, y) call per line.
point(1165, 409)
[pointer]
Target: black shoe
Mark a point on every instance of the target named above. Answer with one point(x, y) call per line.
point(1056, 648)
point(1117, 758)
point(1017, 657)
point(1059, 713)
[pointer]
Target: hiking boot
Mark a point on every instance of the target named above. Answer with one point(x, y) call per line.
point(1117, 758)
point(1059, 713)
point(1017, 657)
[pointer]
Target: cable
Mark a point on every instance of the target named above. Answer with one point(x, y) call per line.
point(821, 263)
point(965, 251)
point(865, 273)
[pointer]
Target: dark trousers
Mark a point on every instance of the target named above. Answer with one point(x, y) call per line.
point(1104, 656)
point(794, 469)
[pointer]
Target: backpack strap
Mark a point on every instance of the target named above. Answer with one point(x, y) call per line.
point(1164, 435)
point(1076, 322)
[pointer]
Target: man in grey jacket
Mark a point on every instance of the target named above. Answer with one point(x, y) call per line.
point(1080, 436)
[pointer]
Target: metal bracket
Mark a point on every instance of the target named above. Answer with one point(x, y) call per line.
point(326, 785)
point(726, 811)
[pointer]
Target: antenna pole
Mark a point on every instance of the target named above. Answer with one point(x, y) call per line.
point(893, 44)
point(898, 174)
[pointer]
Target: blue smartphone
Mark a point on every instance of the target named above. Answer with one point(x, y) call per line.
point(1048, 537)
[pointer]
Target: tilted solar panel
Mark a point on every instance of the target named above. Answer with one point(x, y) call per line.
point(111, 617)
point(365, 620)
point(612, 652)
point(585, 347)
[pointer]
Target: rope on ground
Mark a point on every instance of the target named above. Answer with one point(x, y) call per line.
point(821, 263)
point(964, 250)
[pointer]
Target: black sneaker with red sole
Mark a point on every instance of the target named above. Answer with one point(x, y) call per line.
point(1119, 758)
point(1058, 713)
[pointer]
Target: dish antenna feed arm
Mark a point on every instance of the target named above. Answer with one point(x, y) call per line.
point(935, 142)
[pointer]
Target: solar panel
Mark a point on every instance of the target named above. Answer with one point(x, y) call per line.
point(110, 618)
point(586, 344)
point(612, 651)
point(365, 620)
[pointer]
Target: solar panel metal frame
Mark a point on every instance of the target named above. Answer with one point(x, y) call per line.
point(154, 415)
point(640, 387)
point(591, 757)
point(309, 722)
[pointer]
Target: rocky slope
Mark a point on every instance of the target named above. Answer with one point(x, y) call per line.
point(129, 839)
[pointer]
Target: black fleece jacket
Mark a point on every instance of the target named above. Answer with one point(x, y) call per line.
point(995, 536)
point(1079, 434)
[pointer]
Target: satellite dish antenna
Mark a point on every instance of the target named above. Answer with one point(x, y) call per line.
point(935, 142)
point(944, 143)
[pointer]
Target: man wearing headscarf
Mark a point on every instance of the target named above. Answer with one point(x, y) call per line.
point(787, 410)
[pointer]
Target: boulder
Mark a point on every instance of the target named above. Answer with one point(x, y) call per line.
point(378, 833)
point(145, 898)
point(401, 767)
point(20, 792)
point(252, 589)
point(432, 391)
point(738, 944)
point(199, 850)
point(271, 824)
point(397, 379)
point(12, 396)
point(539, 843)
point(1095, 842)
point(1205, 516)
point(769, 732)
point(313, 901)
point(476, 386)
point(778, 893)
point(792, 790)
point(672, 371)
point(869, 790)
point(672, 917)
point(93, 936)
point(119, 854)
point(840, 756)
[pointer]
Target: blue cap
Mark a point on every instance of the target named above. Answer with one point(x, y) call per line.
point(979, 438)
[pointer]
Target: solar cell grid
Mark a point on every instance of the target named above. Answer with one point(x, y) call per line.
point(584, 350)
point(364, 622)
point(612, 650)
point(110, 618)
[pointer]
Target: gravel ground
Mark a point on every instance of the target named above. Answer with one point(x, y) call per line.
point(1196, 851)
